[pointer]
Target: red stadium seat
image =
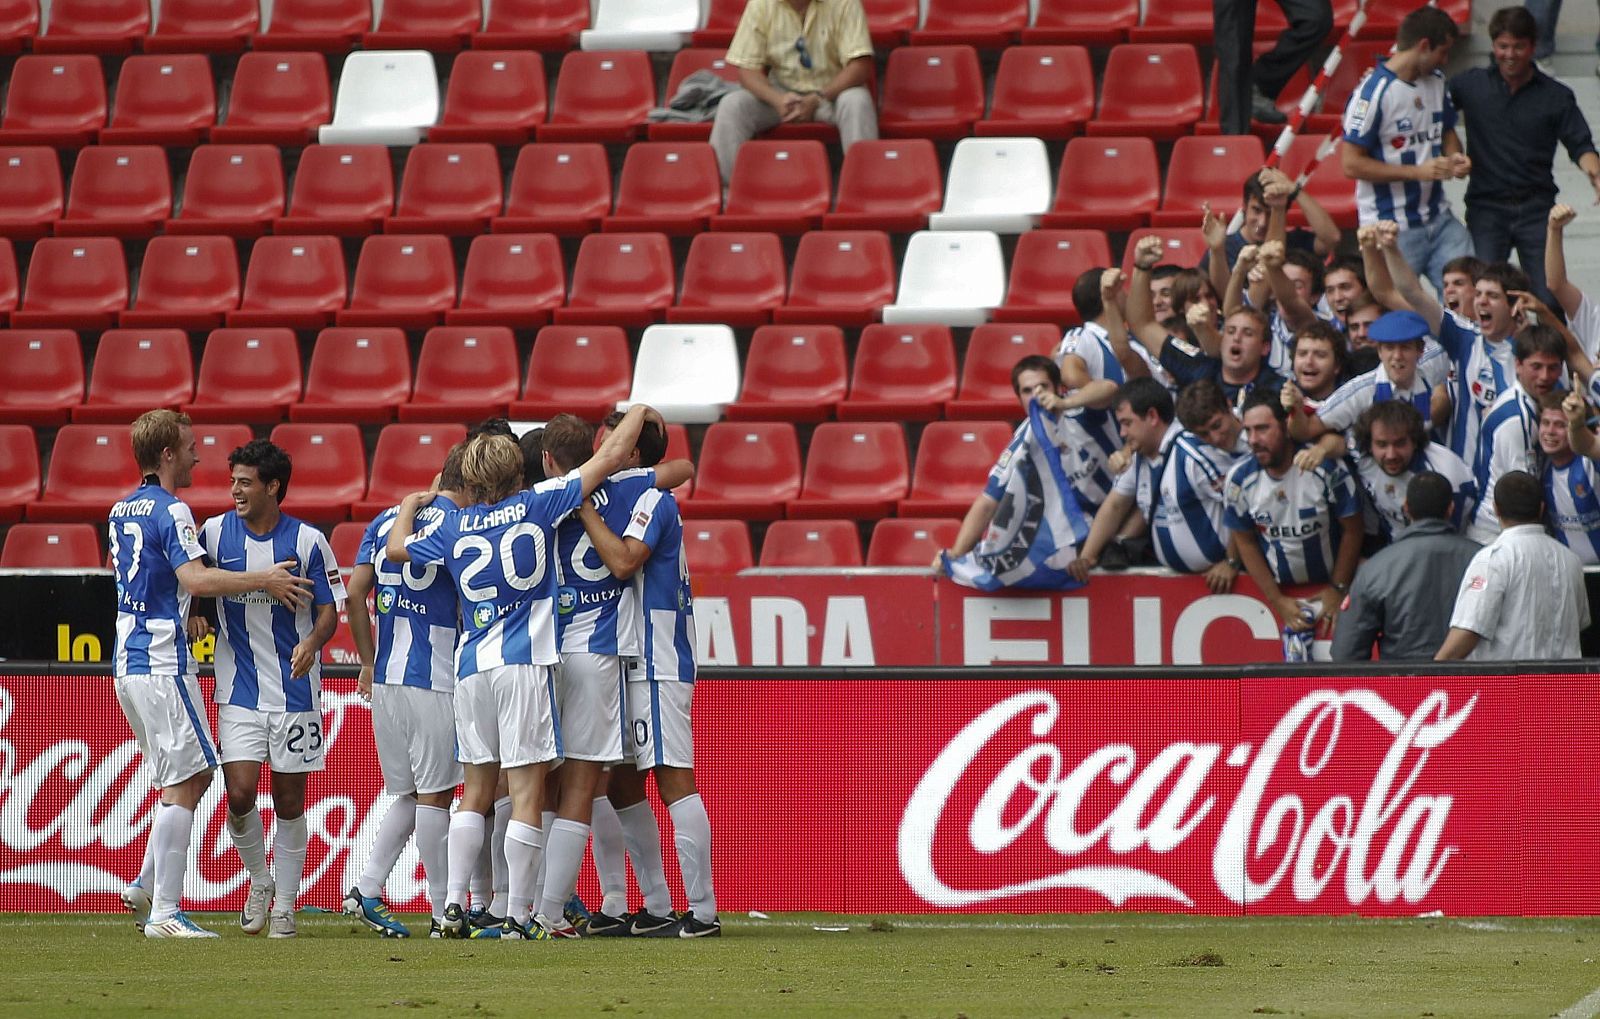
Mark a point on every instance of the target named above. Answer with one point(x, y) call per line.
point(931, 92)
point(247, 375)
point(1175, 21)
point(277, 99)
point(854, 470)
point(993, 349)
point(620, 279)
point(94, 26)
point(345, 541)
point(1083, 22)
point(19, 471)
point(953, 461)
point(1184, 245)
point(186, 282)
point(292, 281)
point(902, 373)
point(359, 375)
point(721, 22)
point(407, 280)
point(1106, 184)
point(671, 187)
point(31, 195)
point(443, 26)
point(684, 63)
point(811, 543)
point(41, 376)
point(347, 190)
point(746, 470)
point(1150, 90)
point(204, 26)
point(907, 541)
point(1042, 92)
point(330, 470)
point(514, 280)
point(600, 97)
point(549, 25)
point(162, 100)
point(783, 186)
point(717, 547)
point(329, 26)
point(494, 96)
point(54, 100)
point(890, 21)
point(990, 24)
point(135, 370)
point(840, 276)
point(91, 467)
point(78, 282)
point(792, 373)
point(465, 373)
point(559, 189)
point(235, 190)
point(405, 461)
point(583, 370)
point(52, 547)
point(1327, 184)
point(887, 185)
point(19, 23)
point(1046, 265)
point(121, 191)
point(1207, 170)
point(210, 492)
point(10, 282)
point(733, 278)
point(449, 189)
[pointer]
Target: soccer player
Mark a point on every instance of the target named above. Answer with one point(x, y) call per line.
point(156, 555)
point(1393, 442)
point(269, 678)
point(409, 675)
point(497, 551)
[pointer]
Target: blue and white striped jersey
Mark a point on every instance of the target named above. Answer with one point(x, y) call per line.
point(1479, 372)
point(1386, 493)
point(255, 635)
point(152, 534)
point(1091, 342)
point(1400, 123)
point(1083, 457)
point(1186, 520)
point(499, 558)
point(1509, 441)
point(1347, 403)
point(1295, 518)
point(1573, 506)
point(418, 621)
point(594, 610)
point(661, 587)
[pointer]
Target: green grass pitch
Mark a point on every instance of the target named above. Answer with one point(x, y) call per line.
point(976, 966)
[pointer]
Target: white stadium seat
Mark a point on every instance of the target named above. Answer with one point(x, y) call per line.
point(999, 184)
point(952, 276)
point(689, 373)
point(386, 97)
point(654, 25)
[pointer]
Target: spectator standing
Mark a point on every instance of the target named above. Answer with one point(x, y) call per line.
point(1247, 91)
point(798, 61)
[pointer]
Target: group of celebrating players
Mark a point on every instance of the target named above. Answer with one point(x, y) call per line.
point(534, 644)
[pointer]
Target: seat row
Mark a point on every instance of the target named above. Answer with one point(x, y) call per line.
point(747, 470)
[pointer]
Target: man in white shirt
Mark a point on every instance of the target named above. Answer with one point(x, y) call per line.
point(1522, 597)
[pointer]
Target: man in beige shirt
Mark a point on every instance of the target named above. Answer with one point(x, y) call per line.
point(798, 61)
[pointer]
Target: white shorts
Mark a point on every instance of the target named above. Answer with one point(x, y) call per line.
point(167, 715)
point(415, 733)
point(589, 706)
point(658, 717)
point(289, 741)
point(507, 715)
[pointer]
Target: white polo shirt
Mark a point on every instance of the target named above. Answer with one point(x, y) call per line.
point(1523, 595)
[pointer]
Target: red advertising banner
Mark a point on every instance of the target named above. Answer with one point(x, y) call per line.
point(1383, 796)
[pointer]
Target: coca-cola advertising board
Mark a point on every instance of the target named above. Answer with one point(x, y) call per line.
point(1466, 794)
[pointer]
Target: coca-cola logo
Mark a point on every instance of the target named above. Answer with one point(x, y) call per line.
point(1383, 841)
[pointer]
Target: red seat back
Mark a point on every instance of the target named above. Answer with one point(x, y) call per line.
point(717, 546)
point(280, 98)
point(910, 541)
point(41, 374)
point(754, 460)
point(52, 547)
point(406, 459)
point(811, 543)
point(461, 364)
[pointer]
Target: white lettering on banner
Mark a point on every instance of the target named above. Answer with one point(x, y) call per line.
point(981, 647)
point(1407, 865)
point(1189, 633)
point(846, 633)
point(770, 617)
point(781, 632)
point(713, 628)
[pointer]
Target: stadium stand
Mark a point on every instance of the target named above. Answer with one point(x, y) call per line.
point(1170, 21)
point(186, 283)
point(792, 373)
point(292, 281)
point(329, 26)
point(345, 541)
point(887, 185)
point(956, 277)
point(669, 187)
point(584, 370)
point(232, 190)
point(953, 461)
point(1151, 90)
point(41, 376)
point(408, 280)
point(1106, 184)
point(844, 277)
point(385, 97)
point(134, 370)
point(249, 375)
point(330, 470)
point(464, 373)
point(717, 546)
point(10, 281)
point(1040, 92)
point(557, 188)
point(117, 191)
point(90, 468)
point(811, 543)
point(357, 374)
point(405, 461)
point(985, 392)
point(213, 478)
point(54, 100)
point(19, 23)
point(448, 189)
point(19, 471)
point(890, 21)
point(781, 186)
point(733, 278)
point(1044, 267)
point(495, 96)
point(656, 25)
point(162, 100)
point(442, 26)
point(514, 280)
point(906, 541)
point(1085, 22)
point(551, 25)
point(346, 190)
point(1206, 171)
point(31, 195)
point(600, 97)
point(989, 24)
point(687, 372)
point(931, 92)
point(998, 184)
point(203, 26)
point(623, 279)
point(93, 26)
point(277, 99)
point(52, 547)
point(901, 373)
point(853, 470)
point(76, 282)
point(684, 63)
point(746, 471)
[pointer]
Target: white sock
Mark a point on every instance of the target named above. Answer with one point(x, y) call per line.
point(563, 855)
point(250, 842)
point(466, 838)
point(497, 847)
point(147, 866)
point(169, 833)
point(394, 831)
point(643, 838)
point(692, 835)
point(482, 881)
point(288, 862)
point(610, 858)
point(524, 846)
point(546, 820)
point(433, 831)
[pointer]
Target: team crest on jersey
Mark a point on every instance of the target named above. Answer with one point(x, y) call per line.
point(566, 601)
point(1362, 105)
point(482, 615)
point(1403, 124)
point(386, 600)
